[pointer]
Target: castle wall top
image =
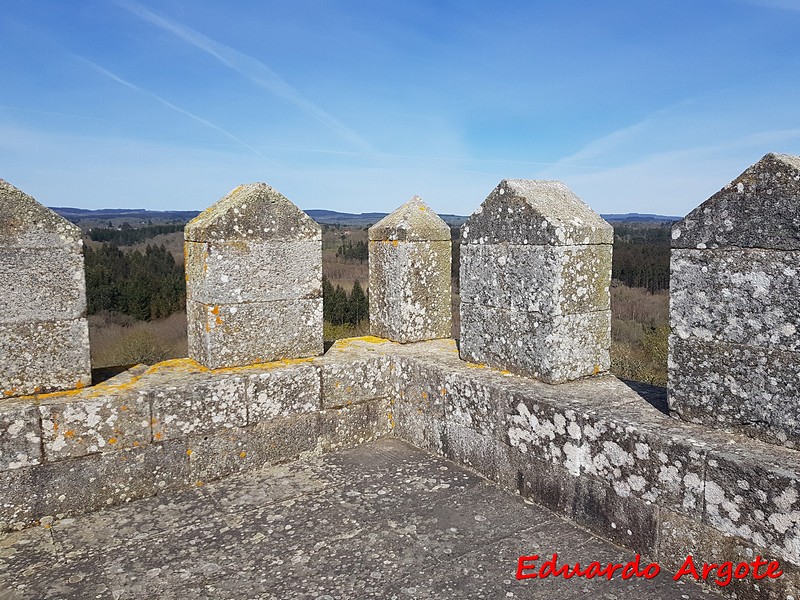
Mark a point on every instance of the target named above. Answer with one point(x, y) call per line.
point(536, 212)
point(256, 212)
point(25, 223)
point(758, 209)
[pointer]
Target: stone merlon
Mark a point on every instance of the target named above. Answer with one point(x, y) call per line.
point(253, 280)
point(410, 256)
point(44, 335)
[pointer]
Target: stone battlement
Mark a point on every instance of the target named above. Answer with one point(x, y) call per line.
point(524, 398)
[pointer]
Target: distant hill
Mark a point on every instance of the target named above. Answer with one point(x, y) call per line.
point(644, 218)
point(137, 216)
point(331, 217)
point(74, 214)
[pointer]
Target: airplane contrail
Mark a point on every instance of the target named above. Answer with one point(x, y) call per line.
point(174, 107)
point(251, 68)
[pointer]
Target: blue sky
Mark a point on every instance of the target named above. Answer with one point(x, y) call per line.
point(637, 105)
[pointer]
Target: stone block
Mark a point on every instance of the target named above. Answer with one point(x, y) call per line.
point(75, 426)
point(44, 338)
point(354, 380)
point(754, 494)
point(537, 480)
point(48, 283)
point(223, 335)
point(76, 486)
point(25, 223)
point(197, 403)
point(741, 296)
point(567, 279)
point(235, 272)
point(535, 272)
point(537, 212)
point(356, 424)
point(44, 356)
point(20, 435)
point(738, 386)
point(253, 264)
point(758, 209)
point(679, 537)
point(470, 449)
point(409, 275)
point(418, 427)
point(626, 521)
point(655, 462)
point(228, 451)
point(629, 446)
point(422, 387)
point(282, 391)
point(553, 349)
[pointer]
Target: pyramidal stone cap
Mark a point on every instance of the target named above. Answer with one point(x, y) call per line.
point(412, 222)
point(25, 223)
point(536, 212)
point(758, 209)
point(256, 212)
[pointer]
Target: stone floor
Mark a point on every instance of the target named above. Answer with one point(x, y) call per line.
point(384, 520)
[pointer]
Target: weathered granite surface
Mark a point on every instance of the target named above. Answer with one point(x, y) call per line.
point(253, 280)
point(734, 309)
point(409, 275)
point(758, 209)
point(381, 521)
point(44, 335)
point(535, 276)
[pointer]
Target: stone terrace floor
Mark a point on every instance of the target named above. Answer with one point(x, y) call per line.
point(384, 520)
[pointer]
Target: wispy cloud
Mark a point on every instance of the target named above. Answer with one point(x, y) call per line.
point(174, 107)
point(249, 67)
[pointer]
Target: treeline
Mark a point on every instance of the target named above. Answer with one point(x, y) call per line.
point(641, 257)
point(339, 307)
point(350, 251)
point(128, 236)
point(146, 286)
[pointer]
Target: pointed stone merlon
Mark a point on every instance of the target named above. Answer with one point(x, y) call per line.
point(734, 352)
point(253, 280)
point(535, 276)
point(44, 335)
point(410, 253)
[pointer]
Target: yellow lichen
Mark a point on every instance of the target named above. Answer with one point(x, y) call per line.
point(242, 454)
point(112, 440)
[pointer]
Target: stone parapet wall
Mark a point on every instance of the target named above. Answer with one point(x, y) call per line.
point(178, 424)
point(592, 450)
point(596, 452)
